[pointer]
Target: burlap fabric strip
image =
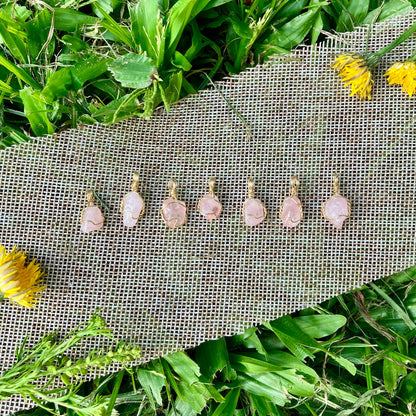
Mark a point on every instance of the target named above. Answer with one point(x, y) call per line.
point(168, 290)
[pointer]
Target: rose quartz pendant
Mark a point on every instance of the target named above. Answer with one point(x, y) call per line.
point(337, 209)
point(91, 217)
point(173, 211)
point(254, 212)
point(209, 205)
point(291, 212)
point(132, 205)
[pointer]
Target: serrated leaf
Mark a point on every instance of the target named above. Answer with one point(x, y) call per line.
point(133, 70)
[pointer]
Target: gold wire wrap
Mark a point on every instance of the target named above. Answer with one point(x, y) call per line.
point(294, 185)
point(211, 184)
point(335, 181)
point(173, 188)
point(136, 182)
point(250, 184)
point(90, 198)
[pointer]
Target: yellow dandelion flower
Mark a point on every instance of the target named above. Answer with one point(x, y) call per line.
point(403, 73)
point(20, 283)
point(355, 71)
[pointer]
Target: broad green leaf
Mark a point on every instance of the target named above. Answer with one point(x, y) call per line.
point(107, 5)
point(297, 341)
point(133, 70)
point(408, 388)
point(293, 32)
point(181, 62)
point(171, 93)
point(291, 9)
point(74, 43)
point(69, 19)
point(361, 401)
point(120, 109)
point(352, 15)
point(152, 383)
point(206, 5)
point(227, 408)
point(249, 339)
point(392, 372)
point(388, 11)
point(287, 380)
point(241, 28)
point(88, 69)
point(287, 361)
point(291, 339)
point(254, 386)
point(317, 27)
point(192, 394)
point(262, 407)
point(121, 32)
point(73, 78)
point(144, 26)
point(36, 112)
point(248, 364)
point(318, 326)
point(15, 44)
point(212, 356)
point(19, 72)
point(341, 394)
point(57, 85)
point(177, 19)
point(38, 33)
point(14, 11)
point(184, 366)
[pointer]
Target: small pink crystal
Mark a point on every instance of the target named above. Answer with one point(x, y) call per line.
point(254, 212)
point(336, 210)
point(210, 207)
point(291, 212)
point(173, 212)
point(132, 208)
point(91, 219)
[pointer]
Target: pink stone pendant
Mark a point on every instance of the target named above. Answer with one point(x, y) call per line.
point(132, 205)
point(337, 209)
point(91, 217)
point(209, 205)
point(291, 212)
point(254, 212)
point(173, 211)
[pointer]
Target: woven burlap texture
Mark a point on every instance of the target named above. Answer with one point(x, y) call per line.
point(170, 290)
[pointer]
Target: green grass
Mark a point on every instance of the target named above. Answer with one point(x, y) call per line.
point(352, 355)
point(68, 62)
point(65, 62)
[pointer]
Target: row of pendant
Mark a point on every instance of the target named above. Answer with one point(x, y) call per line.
point(174, 212)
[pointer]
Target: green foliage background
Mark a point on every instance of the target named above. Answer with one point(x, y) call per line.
point(68, 62)
point(65, 62)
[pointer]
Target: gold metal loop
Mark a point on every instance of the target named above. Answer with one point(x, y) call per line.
point(211, 184)
point(250, 184)
point(294, 185)
point(136, 182)
point(173, 188)
point(90, 197)
point(335, 181)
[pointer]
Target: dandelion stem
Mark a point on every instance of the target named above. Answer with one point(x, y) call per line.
point(398, 41)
